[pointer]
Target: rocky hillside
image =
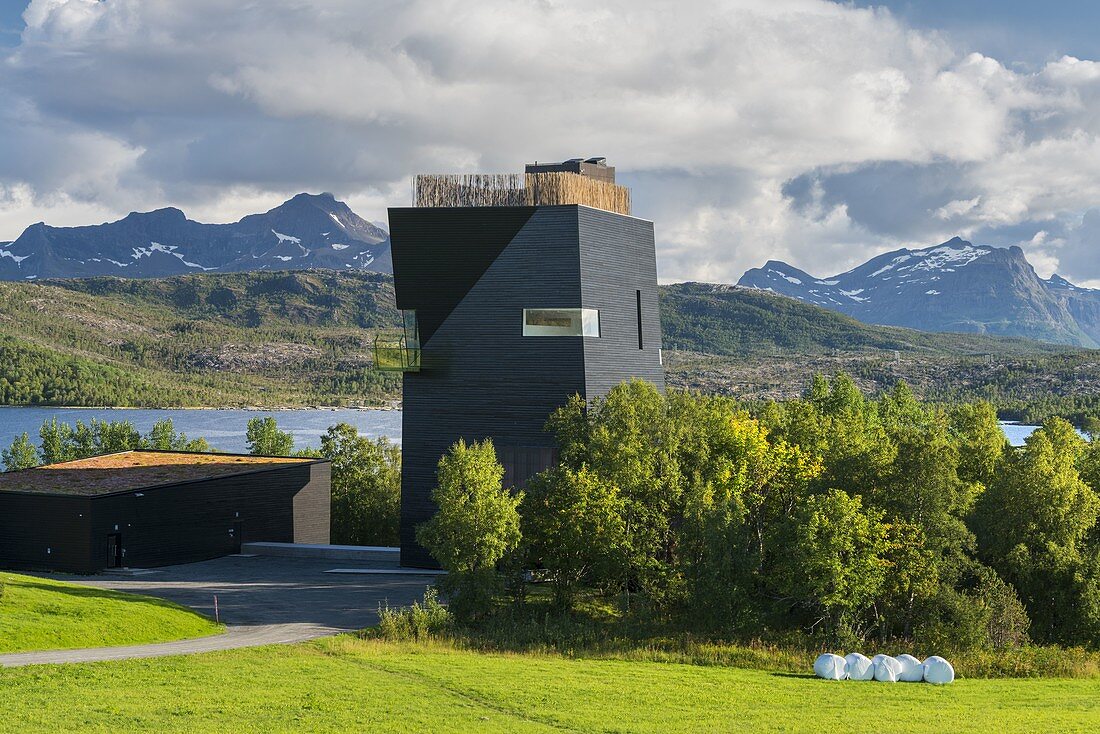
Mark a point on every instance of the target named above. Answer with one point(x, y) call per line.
point(304, 338)
point(953, 287)
point(308, 231)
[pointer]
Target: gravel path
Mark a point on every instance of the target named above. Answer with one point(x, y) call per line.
point(231, 639)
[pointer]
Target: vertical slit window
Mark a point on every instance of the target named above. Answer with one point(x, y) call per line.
point(641, 345)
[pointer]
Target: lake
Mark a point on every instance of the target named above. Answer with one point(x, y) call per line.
point(224, 429)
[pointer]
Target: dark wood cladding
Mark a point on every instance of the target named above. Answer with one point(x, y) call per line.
point(177, 523)
point(49, 532)
point(618, 260)
point(480, 377)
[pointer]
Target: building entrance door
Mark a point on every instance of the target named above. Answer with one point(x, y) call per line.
point(114, 550)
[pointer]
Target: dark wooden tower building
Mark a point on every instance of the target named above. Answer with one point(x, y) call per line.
point(517, 293)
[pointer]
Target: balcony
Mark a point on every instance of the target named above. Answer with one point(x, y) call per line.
point(399, 352)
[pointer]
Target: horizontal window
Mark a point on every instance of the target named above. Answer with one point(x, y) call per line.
point(561, 322)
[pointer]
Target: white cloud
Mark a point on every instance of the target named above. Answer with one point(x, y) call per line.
point(708, 108)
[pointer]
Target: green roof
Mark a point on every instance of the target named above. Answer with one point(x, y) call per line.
point(131, 470)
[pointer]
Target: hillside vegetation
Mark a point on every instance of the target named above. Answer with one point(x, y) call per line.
point(733, 321)
point(303, 338)
point(267, 339)
point(755, 345)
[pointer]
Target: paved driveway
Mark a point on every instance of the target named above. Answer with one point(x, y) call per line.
point(262, 599)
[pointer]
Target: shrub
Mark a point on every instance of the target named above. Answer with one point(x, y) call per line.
point(417, 622)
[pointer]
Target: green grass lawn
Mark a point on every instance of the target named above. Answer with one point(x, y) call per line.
point(346, 684)
point(40, 614)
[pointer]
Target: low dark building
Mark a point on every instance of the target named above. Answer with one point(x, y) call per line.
point(156, 508)
point(509, 311)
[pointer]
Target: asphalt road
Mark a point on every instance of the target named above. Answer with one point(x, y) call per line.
point(262, 599)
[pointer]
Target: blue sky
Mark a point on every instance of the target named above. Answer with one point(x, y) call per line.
point(1025, 31)
point(11, 21)
point(815, 132)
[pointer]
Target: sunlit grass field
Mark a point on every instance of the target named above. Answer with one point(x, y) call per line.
point(348, 684)
point(40, 614)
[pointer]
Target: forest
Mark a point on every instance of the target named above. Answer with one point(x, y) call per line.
point(832, 519)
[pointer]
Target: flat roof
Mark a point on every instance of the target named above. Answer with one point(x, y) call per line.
point(129, 470)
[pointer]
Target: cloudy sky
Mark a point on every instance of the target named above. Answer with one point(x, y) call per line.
point(815, 132)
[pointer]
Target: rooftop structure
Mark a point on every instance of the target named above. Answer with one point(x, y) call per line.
point(586, 182)
point(129, 470)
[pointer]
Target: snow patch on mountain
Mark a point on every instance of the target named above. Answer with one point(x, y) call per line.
point(956, 256)
point(788, 278)
point(286, 238)
point(17, 258)
point(140, 252)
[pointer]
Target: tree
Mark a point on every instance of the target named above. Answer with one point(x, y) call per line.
point(62, 442)
point(980, 439)
point(1033, 525)
point(56, 442)
point(574, 526)
point(1090, 463)
point(163, 437)
point(835, 566)
point(1091, 426)
point(20, 455)
point(923, 489)
point(265, 439)
point(476, 526)
point(366, 487)
point(738, 488)
point(626, 439)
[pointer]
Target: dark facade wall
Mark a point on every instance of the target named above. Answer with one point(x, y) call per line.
point(46, 533)
point(618, 260)
point(207, 519)
point(480, 377)
point(312, 506)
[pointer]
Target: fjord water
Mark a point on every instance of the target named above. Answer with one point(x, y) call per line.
point(223, 429)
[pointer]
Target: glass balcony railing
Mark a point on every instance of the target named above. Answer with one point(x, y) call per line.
point(393, 354)
point(399, 352)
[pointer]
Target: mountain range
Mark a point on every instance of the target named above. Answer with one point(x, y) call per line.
point(953, 287)
point(307, 231)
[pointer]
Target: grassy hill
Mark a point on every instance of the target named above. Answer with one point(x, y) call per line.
point(304, 338)
point(40, 614)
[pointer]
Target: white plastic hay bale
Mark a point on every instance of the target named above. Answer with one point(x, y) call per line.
point(887, 669)
point(938, 671)
point(912, 670)
point(831, 667)
point(859, 667)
